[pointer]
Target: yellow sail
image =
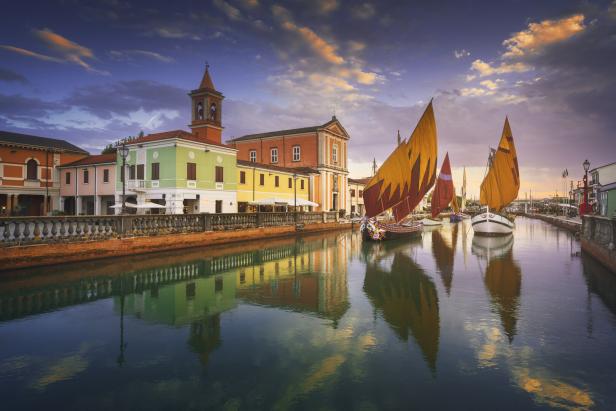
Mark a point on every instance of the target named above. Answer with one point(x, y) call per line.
point(407, 174)
point(502, 183)
point(454, 202)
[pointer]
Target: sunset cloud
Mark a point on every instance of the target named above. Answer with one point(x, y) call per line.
point(486, 69)
point(539, 35)
point(66, 51)
point(128, 55)
point(324, 49)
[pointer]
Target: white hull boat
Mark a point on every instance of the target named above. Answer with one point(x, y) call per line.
point(429, 222)
point(491, 224)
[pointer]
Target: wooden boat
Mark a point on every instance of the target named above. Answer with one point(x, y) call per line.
point(499, 188)
point(401, 182)
point(431, 222)
point(444, 194)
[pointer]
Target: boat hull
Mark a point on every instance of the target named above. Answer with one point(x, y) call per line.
point(428, 222)
point(455, 218)
point(490, 224)
point(389, 231)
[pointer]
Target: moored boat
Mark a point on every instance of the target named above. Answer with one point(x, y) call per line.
point(401, 182)
point(429, 222)
point(499, 188)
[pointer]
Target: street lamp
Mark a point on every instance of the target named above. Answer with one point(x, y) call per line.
point(586, 165)
point(124, 154)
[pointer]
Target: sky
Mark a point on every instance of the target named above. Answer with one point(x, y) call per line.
point(92, 72)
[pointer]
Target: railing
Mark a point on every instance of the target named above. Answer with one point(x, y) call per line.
point(33, 230)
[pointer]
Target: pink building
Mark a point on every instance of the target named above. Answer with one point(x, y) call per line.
point(87, 186)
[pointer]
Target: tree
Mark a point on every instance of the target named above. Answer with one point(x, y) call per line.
point(109, 148)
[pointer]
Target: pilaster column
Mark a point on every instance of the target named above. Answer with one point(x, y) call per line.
point(97, 205)
point(77, 205)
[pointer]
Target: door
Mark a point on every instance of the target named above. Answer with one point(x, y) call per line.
point(218, 206)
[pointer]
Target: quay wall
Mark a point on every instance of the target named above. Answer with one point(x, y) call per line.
point(33, 255)
point(568, 225)
point(598, 239)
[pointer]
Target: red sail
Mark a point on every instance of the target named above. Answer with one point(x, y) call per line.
point(443, 192)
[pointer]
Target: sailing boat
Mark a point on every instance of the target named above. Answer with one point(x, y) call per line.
point(499, 188)
point(461, 214)
point(402, 181)
point(442, 194)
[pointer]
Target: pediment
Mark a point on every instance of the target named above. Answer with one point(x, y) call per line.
point(336, 128)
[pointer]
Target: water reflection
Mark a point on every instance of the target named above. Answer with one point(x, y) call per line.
point(404, 295)
point(502, 278)
point(444, 255)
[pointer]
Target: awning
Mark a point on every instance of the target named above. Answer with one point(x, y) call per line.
point(147, 204)
point(284, 201)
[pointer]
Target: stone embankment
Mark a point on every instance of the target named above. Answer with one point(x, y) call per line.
point(573, 225)
point(30, 242)
point(598, 239)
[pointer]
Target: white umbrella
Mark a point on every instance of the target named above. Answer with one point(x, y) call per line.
point(119, 205)
point(149, 204)
point(301, 202)
point(270, 201)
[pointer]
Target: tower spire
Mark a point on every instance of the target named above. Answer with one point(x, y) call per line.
point(206, 82)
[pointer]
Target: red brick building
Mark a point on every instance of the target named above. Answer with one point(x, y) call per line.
point(322, 147)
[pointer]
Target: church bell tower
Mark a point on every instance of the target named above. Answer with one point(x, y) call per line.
point(206, 105)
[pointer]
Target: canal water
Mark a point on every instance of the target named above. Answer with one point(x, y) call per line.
point(446, 321)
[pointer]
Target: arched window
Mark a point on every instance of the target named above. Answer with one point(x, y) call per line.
point(199, 111)
point(32, 169)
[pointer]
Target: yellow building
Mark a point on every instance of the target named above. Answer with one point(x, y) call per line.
point(258, 182)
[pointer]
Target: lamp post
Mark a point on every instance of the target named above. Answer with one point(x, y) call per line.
point(124, 154)
point(586, 165)
point(295, 197)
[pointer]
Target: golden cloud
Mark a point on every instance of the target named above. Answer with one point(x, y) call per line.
point(319, 45)
point(486, 69)
point(539, 35)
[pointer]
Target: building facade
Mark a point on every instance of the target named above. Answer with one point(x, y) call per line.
point(29, 175)
point(322, 148)
point(181, 171)
point(261, 182)
point(355, 203)
point(87, 186)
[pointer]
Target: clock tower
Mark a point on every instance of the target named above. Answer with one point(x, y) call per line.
point(206, 104)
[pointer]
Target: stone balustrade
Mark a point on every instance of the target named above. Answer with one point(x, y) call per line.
point(599, 239)
point(32, 230)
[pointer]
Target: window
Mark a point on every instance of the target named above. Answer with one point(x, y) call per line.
point(262, 179)
point(32, 169)
point(131, 172)
point(361, 194)
point(296, 153)
point(252, 154)
point(140, 171)
point(290, 182)
point(352, 193)
point(242, 177)
point(155, 171)
point(86, 176)
point(302, 184)
point(276, 181)
point(191, 171)
point(219, 174)
point(274, 155)
point(67, 178)
point(218, 206)
point(335, 153)
point(106, 175)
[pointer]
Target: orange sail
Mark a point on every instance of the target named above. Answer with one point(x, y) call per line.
point(443, 192)
point(407, 174)
point(502, 183)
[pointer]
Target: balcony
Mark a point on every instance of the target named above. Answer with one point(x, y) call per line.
point(136, 185)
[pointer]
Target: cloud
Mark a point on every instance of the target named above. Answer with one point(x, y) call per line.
point(231, 12)
point(172, 33)
point(364, 11)
point(486, 69)
point(65, 50)
point(121, 98)
point(130, 55)
point(544, 33)
point(473, 92)
point(461, 53)
point(11, 76)
point(491, 85)
point(327, 51)
point(356, 46)
point(327, 6)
